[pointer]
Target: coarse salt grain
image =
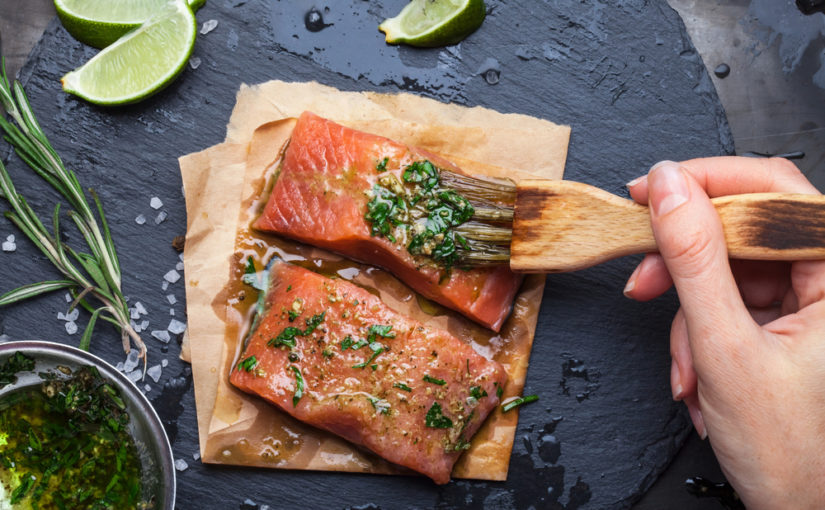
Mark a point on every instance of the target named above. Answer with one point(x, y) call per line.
point(176, 327)
point(161, 217)
point(140, 308)
point(140, 219)
point(134, 375)
point(171, 298)
point(164, 363)
point(172, 276)
point(196, 456)
point(154, 372)
point(181, 465)
point(194, 62)
point(155, 203)
point(171, 312)
point(209, 26)
point(148, 388)
point(132, 360)
point(162, 335)
point(71, 328)
point(165, 285)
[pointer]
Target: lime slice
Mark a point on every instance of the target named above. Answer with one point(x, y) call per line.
point(434, 22)
point(99, 23)
point(141, 63)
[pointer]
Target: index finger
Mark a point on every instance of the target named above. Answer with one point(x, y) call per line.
point(733, 175)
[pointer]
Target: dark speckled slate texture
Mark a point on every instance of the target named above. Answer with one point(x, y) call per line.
point(623, 74)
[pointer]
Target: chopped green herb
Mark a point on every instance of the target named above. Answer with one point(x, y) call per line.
point(288, 288)
point(293, 315)
point(382, 166)
point(346, 343)
point(379, 404)
point(360, 343)
point(26, 483)
point(250, 266)
point(248, 364)
point(435, 418)
point(519, 401)
point(499, 390)
point(17, 362)
point(378, 330)
point(285, 337)
point(327, 353)
point(428, 378)
point(313, 322)
point(299, 385)
point(477, 392)
point(377, 349)
point(401, 386)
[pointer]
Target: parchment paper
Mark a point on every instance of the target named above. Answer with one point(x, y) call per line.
point(224, 183)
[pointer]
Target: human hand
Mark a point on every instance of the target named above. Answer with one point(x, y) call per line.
point(748, 343)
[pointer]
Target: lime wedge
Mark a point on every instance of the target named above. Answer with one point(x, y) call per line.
point(139, 64)
point(99, 23)
point(434, 22)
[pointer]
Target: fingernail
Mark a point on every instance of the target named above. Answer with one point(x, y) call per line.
point(676, 381)
point(636, 181)
point(698, 422)
point(631, 282)
point(668, 187)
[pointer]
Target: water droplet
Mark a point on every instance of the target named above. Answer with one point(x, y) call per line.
point(641, 58)
point(492, 76)
point(490, 70)
point(314, 20)
point(549, 449)
point(722, 71)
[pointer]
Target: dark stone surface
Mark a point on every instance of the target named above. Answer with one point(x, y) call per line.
point(625, 76)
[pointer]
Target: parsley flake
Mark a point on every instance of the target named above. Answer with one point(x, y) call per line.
point(435, 418)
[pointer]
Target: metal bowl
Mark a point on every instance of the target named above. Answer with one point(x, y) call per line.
point(157, 462)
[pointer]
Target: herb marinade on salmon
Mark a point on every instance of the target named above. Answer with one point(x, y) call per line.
point(349, 192)
point(334, 356)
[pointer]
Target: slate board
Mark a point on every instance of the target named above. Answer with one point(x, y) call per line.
point(625, 77)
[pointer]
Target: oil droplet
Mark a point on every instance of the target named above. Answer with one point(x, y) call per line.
point(722, 71)
point(314, 20)
point(492, 76)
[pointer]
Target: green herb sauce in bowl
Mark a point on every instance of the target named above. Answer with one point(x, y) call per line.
point(75, 433)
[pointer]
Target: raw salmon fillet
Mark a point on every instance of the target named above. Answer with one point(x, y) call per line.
point(412, 394)
point(320, 198)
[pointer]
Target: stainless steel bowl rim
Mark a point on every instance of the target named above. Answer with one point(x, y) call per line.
point(129, 389)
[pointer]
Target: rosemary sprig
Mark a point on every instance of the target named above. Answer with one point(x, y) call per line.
point(93, 278)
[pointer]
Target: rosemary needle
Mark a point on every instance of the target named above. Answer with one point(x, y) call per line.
point(93, 278)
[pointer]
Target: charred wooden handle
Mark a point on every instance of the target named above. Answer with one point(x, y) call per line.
point(564, 226)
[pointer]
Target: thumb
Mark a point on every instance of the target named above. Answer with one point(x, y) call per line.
point(690, 239)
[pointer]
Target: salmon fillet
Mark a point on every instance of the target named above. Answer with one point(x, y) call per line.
point(334, 356)
point(320, 197)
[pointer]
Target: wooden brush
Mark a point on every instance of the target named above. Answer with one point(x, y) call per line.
point(543, 226)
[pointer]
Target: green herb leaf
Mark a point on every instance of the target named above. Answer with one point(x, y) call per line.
point(299, 385)
point(248, 364)
point(402, 386)
point(519, 401)
point(18, 362)
point(313, 322)
point(377, 349)
point(293, 315)
point(379, 330)
point(285, 337)
point(34, 289)
point(428, 378)
point(499, 390)
point(382, 166)
point(477, 392)
point(435, 418)
point(250, 266)
point(347, 342)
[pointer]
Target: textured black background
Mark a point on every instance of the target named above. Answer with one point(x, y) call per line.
point(626, 78)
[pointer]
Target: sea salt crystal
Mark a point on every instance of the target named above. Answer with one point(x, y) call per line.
point(171, 312)
point(196, 456)
point(136, 326)
point(140, 308)
point(119, 366)
point(171, 298)
point(148, 388)
point(172, 276)
point(176, 327)
point(68, 297)
point(71, 328)
point(181, 465)
point(162, 335)
point(133, 313)
point(179, 266)
point(209, 26)
point(161, 217)
point(134, 375)
point(132, 360)
point(164, 363)
point(155, 203)
point(144, 325)
point(194, 62)
point(181, 257)
point(9, 245)
point(165, 285)
point(154, 372)
point(69, 317)
point(140, 219)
